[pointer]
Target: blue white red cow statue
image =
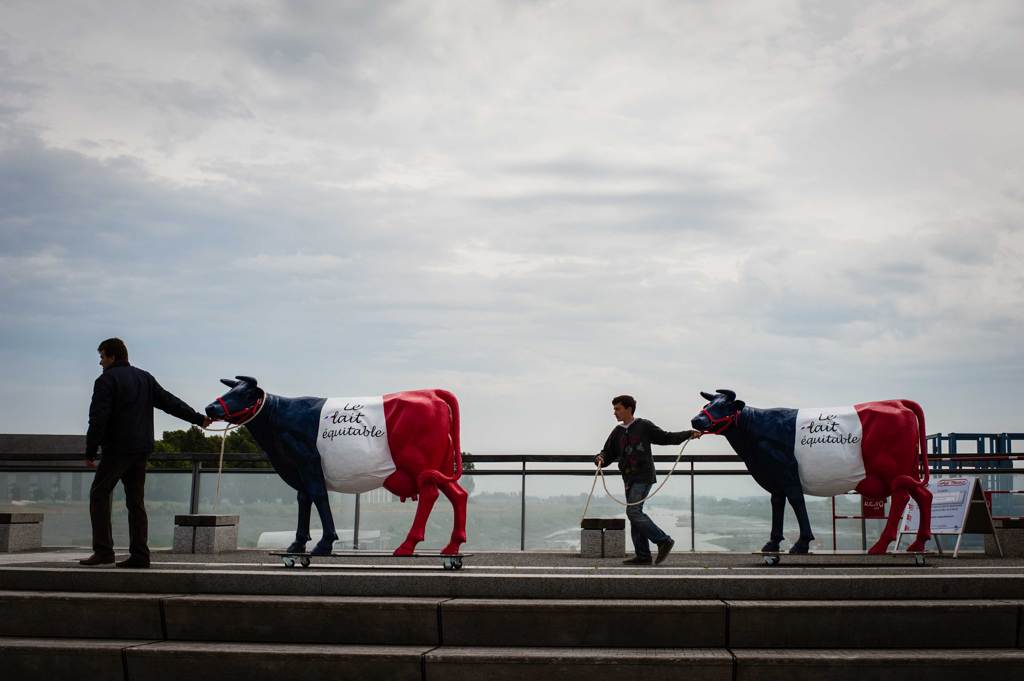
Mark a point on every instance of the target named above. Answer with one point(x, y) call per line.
point(406, 442)
point(874, 448)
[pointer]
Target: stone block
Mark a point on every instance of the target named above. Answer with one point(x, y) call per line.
point(614, 543)
point(21, 536)
point(577, 664)
point(174, 660)
point(591, 623)
point(205, 533)
point(59, 659)
point(603, 524)
point(303, 619)
point(80, 615)
point(872, 624)
point(1011, 538)
point(773, 664)
point(591, 543)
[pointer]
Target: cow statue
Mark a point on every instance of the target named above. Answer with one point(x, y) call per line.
point(406, 442)
point(874, 448)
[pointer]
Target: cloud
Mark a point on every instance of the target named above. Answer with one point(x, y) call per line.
point(535, 204)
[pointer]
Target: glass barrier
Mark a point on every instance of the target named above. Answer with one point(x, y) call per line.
point(64, 498)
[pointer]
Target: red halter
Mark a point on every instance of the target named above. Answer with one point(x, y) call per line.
point(725, 421)
point(242, 414)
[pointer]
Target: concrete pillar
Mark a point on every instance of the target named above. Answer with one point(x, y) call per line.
point(198, 533)
point(21, 531)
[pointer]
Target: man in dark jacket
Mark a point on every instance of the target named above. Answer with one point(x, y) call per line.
point(121, 423)
point(630, 445)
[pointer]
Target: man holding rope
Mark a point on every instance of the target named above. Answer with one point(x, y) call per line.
point(630, 444)
point(121, 422)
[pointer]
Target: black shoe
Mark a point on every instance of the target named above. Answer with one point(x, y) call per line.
point(637, 560)
point(96, 559)
point(664, 548)
point(134, 562)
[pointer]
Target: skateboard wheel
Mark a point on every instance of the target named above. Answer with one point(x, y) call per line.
point(919, 559)
point(304, 561)
point(288, 561)
point(772, 560)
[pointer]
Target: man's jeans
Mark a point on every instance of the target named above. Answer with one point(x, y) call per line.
point(641, 527)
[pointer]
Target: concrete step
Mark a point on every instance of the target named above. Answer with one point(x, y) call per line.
point(875, 624)
point(915, 584)
point(66, 658)
point(576, 664)
point(638, 623)
point(304, 619)
point(574, 623)
point(80, 615)
point(878, 665)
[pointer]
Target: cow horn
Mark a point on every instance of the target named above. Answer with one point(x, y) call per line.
point(228, 382)
point(247, 379)
point(707, 396)
point(729, 395)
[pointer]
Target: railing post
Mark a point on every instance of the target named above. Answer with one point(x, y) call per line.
point(193, 499)
point(355, 526)
point(522, 512)
point(693, 515)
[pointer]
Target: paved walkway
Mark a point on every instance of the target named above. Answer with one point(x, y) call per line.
point(536, 562)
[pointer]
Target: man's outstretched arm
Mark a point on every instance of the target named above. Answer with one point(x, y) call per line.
point(171, 404)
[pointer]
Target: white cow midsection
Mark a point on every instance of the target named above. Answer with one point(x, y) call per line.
point(827, 447)
point(353, 443)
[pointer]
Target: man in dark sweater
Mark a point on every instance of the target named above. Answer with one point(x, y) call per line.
point(121, 423)
point(630, 445)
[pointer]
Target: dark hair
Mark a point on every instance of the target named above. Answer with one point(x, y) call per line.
point(114, 347)
point(626, 401)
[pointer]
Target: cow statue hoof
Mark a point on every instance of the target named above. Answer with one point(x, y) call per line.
point(880, 548)
point(407, 548)
point(917, 546)
point(296, 547)
point(801, 547)
point(770, 547)
point(323, 548)
point(451, 550)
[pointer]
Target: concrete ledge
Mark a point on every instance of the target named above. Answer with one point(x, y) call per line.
point(20, 518)
point(877, 665)
point(467, 584)
point(567, 664)
point(205, 533)
point(205, 520)
point(872, 624)
point(21, 532)
point(80, 615)
point(303, 619)
point(59, 659)
point(603, 623)
point(273, 662)
point(603, 524)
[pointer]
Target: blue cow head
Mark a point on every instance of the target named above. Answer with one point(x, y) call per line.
point(719, 413)
point(237, 404)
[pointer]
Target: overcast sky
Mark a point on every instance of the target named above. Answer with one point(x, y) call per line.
point(538, 205)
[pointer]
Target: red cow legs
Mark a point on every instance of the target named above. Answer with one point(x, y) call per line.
point(458, 497)
point(904, 487)
point(431, 483)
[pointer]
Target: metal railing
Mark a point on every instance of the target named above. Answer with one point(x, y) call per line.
point(995, 459)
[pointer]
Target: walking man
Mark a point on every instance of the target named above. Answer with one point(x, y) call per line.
point(121, 423)
point(630, 445)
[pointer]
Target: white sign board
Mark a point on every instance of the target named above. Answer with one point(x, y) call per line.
point(958, 507)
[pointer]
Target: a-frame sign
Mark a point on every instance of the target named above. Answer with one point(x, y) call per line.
point(958, 508)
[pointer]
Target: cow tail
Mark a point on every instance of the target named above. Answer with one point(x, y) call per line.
point(453, 435)
point(922, 433)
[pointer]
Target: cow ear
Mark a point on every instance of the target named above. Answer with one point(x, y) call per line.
point(729, 395)
point(707, 396)
point(739, 404)
point(247, 379)
point(228, 382)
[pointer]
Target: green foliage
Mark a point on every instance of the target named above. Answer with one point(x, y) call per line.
point(239, 441)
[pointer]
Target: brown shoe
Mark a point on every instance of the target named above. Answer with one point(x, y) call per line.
point(96, 559)
point(134, 562)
